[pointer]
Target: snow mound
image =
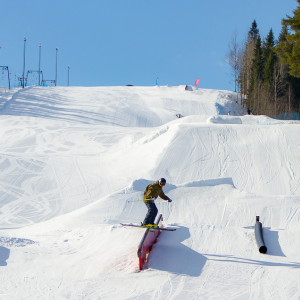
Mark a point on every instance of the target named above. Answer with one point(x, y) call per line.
point(264, 120)
point(200, 119)
point(248, 120)
point(208, 182)
point(224, 120)
point(137, 185)
point(153, 135)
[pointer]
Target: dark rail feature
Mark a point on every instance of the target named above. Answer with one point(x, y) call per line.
point(259, 237)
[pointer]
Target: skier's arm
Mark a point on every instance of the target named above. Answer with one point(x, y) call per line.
point(163, 196)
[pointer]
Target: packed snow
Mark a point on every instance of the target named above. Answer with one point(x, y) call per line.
point(74, 160)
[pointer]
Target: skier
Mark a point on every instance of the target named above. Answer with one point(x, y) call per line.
point(151, 192)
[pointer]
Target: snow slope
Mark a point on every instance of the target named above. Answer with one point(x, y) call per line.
point(71, 159)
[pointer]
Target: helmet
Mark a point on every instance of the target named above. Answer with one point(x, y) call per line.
point(162, 181)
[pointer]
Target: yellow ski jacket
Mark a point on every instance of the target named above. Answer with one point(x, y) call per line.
point(152, 191)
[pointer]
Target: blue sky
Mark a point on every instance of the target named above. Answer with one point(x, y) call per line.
point(109, 43)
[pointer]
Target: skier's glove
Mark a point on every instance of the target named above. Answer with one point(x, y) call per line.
point(169, 200)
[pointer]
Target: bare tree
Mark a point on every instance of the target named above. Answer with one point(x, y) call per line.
point(247, 53)
point(233, 57)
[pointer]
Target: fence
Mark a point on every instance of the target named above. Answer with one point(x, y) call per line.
point(287, 116)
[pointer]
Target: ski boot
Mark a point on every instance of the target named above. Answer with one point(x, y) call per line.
point(151, 225)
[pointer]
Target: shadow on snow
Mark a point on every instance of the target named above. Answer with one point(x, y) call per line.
point(4, 255)
point(170, 255)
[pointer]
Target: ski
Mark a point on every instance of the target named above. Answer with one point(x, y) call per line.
point(152, 228)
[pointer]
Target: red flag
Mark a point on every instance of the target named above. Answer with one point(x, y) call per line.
point(197, 81)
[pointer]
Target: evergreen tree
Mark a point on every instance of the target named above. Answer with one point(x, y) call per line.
point(291, 84)
point(289, 49)
point(257, 63)
point(268, 46)
point(269, 57)
point(283, 34)
point(253, 32)
point(269, 67)
point(256, 77)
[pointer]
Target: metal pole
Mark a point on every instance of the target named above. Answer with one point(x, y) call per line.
point(68, 75)
point(56, 68)
point(24, 64)
point(40, 46)
point(8, 78)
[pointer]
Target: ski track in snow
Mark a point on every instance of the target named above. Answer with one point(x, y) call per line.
point(71, 158)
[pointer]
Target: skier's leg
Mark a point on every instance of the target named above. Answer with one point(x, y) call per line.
point(154, 213)
point(151, 214)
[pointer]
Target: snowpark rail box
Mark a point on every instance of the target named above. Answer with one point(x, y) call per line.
point(147, 242)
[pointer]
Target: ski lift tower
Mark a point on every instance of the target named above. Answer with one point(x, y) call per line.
point(68, 75)
point(44, 81)
point(5, 68)
point(40, 46)
point(56, 68)
point(31, 72)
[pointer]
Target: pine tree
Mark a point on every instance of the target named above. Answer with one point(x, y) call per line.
point(268, 56)
point(256, 76)
point(289, 49)
point(257, 63)
point(291, 84)
point(253, 32)
point(283, 33)
point(269, 67)
point(268, 45)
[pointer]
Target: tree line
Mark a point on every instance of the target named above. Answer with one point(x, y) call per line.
point(266, 71)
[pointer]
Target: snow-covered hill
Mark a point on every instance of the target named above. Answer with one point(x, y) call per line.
point(71, 159)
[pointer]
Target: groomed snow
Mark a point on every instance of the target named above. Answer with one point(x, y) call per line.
point(73, 158)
